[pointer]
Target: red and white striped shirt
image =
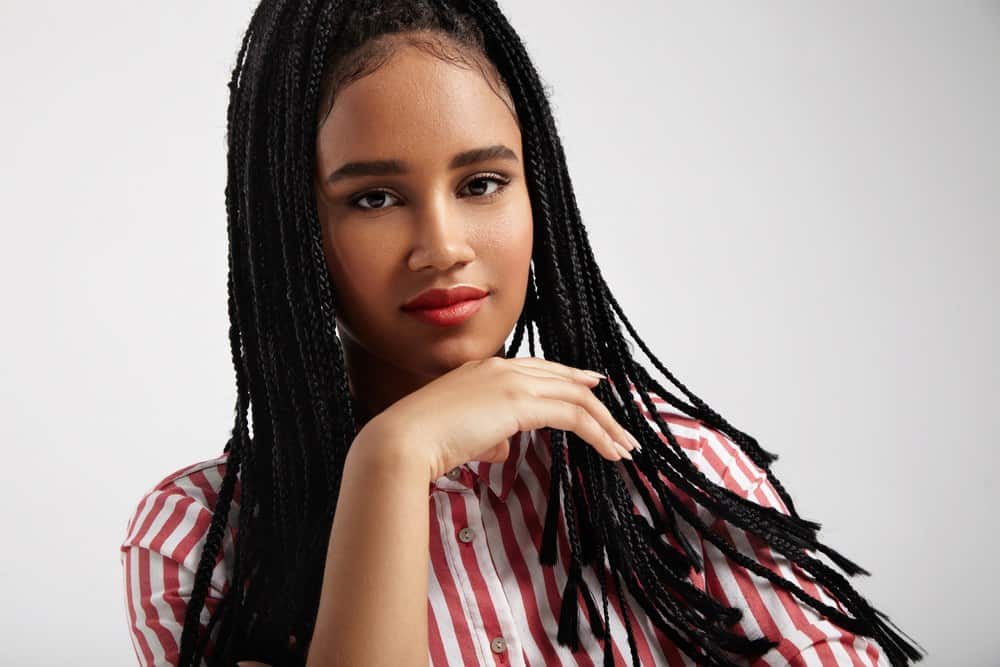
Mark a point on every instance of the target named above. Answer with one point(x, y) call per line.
point(490, 602)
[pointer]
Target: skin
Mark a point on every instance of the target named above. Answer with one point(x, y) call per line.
point(438, 227)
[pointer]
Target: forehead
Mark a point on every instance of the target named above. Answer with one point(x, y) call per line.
point(416, 105)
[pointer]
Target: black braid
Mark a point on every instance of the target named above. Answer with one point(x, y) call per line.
point(290, 368)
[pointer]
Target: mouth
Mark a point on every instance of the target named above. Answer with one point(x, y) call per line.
point(438, 297)
point(448, 315)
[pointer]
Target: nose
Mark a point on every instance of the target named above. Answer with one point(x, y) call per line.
point(440, 238)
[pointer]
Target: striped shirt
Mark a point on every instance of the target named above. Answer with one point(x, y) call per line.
point(490, 602)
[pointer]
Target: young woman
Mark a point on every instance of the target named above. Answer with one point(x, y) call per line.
point(399, 206)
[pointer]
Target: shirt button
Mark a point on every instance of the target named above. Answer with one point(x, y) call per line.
point(453, 474)
point(499, 645)
point(466, 535)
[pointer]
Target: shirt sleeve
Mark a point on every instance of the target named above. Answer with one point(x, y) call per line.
point(806, 637)
point(159, 558)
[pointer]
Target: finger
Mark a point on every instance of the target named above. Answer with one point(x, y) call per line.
point(569, 391)
point(557, 368)
point(534, 371)
point(541, 412)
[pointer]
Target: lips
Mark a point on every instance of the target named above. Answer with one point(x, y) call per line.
point(439, 298)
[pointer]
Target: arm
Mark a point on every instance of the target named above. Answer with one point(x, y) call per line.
point(373, 601)
point(806, 637)
point(159, 558)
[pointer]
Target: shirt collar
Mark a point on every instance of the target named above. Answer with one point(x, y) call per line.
point(500, 476)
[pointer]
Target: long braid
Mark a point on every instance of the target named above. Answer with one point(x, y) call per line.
point(210, 548)
point(291, 369)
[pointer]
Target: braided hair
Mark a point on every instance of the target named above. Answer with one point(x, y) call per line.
point(290, 368)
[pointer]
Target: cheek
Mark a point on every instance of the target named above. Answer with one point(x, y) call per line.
point(360, 268)
point(507, 238)
point(353, 258)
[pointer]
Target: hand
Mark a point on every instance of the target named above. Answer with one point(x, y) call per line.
point(469, 413)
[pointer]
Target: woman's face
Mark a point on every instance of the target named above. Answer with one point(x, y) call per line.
point(422, 217)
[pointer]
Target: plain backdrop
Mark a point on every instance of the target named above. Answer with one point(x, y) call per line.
point(796, 203)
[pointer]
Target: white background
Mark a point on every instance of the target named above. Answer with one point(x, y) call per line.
point(796, 203)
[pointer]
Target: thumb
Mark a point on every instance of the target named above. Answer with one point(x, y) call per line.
point(499, 452)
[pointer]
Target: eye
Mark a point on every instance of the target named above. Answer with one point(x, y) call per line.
point(379, 197)
point(496, 179)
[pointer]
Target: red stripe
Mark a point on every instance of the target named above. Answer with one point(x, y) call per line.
point(758, 608)
point(509, 469)
point(480, 588)
point(196, 535)
point(449, 587)
point(720, 455)
point(211, 497)
point(154, 511)
point(804, 581)
point(171, 590)
point(765, 555)
point(165, 638)
point(146, 658)
point(434, 639)
point(170, 525)
point(535, 526)
point(524, 574)
point(673, 654)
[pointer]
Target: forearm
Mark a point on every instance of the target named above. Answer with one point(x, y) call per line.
point(373, 602)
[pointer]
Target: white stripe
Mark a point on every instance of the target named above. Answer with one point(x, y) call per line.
point(443, 617)
point(860, 645)
point(768, 592)
point(143, 509)
point(187, 524)
point(506, 573)
point(640, 617)
point(157, 586)
point(140, 613)
point(130, 601)
point(453, 556)
point(161, 518)
point(729, 466)
point(548, 616)
point(187, 485)
point(477, 514)
point(828, 628)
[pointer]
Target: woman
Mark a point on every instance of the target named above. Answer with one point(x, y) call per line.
point(399, 205)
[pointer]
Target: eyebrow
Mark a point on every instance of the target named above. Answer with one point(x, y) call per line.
point(387, 167)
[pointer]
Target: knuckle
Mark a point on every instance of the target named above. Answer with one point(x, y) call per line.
point(583, 394)
point(494, 363)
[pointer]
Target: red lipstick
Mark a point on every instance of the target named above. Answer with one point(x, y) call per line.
point(446, 307)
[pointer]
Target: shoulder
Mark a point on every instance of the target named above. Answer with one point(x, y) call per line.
point(713, 452)
point(173, 516)
point(163, 544)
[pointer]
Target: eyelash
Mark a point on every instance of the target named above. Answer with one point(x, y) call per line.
point(500, 180)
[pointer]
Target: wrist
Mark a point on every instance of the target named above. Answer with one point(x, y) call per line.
point(381, 446)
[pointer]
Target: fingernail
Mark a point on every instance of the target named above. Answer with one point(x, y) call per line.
point(624, 451)
point(594, 374)
point(634, 441)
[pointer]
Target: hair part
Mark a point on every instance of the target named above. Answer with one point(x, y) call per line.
point(289, 364)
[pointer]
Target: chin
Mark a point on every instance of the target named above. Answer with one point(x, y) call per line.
point(447, 355)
